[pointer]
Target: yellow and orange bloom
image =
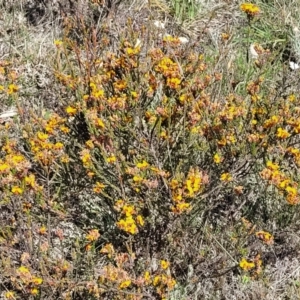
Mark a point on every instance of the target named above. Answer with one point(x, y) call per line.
point(156, 280)
point(98, 188)
point(265, 236)
point(128, 210)
point(217, 158)
point(111, 159)
point(58, 43)
point(272, 166)
point(246, 265)
point(99, 122)
point(58, 146)
point(147, 277)
point(86, 157)
point(108, 249)
point(16, 159)
point(34, 291)
point(250, 9)
point(226, 177)
point(42, 136)
point(128, 225)
point(124, 284)
point(64, 129)
point(142, 165)
point(90, 144)
point(140, 220)
point(12, 89)
point(181, 207)
point(282, 133)
point(17, 190)
point(93, 235)
point(10, 295)
point(37, 280)
point(137, 179)
point(24, 274)
point(174, 184)
point(70, 110)
point(43, 230)
point(4, 167)
point(291, 190)
point(164, 264)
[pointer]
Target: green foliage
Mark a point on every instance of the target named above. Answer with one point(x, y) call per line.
point(185, 9)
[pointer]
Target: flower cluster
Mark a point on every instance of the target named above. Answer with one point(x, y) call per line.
point(187, 189)
point(284, 184)
point(250, 9)
point(130, 219)
point(254, 266)
point(117, 275)
point(8, 78)
point(28, 281)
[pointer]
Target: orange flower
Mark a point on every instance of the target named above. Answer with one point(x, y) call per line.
point(266, 237)
point(93, 235)
point(217, 158)
point(100, 123)
point(37, 280)
point(43, 230)
point(108, 249)
point(128, 224)
point(226, 177)
point(111, 159)
point(85, 156)
point(142, 164)
point(17, 190)
point(30, 180)
point(98, 187)
point(246, 265)
point(34, 291)
point(140, 220)
point(12, 88)
point(42, 136)
point(58, 43)
point(71, 110)
point(125, 284)
point(282, 133)
point(272, 166)
point(137, 179)
point(128, 210)
point(164, 264)
point(250, 9)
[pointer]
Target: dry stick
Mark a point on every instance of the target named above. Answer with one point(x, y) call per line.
point(224, 250)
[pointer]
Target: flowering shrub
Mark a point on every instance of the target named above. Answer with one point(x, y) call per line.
point(120, 191)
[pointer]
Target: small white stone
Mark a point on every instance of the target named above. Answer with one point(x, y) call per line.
point(159, 24)
point(183, 40)
point(296, 30)
point(294, 66)
point(138, 43)
point(253, 53)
